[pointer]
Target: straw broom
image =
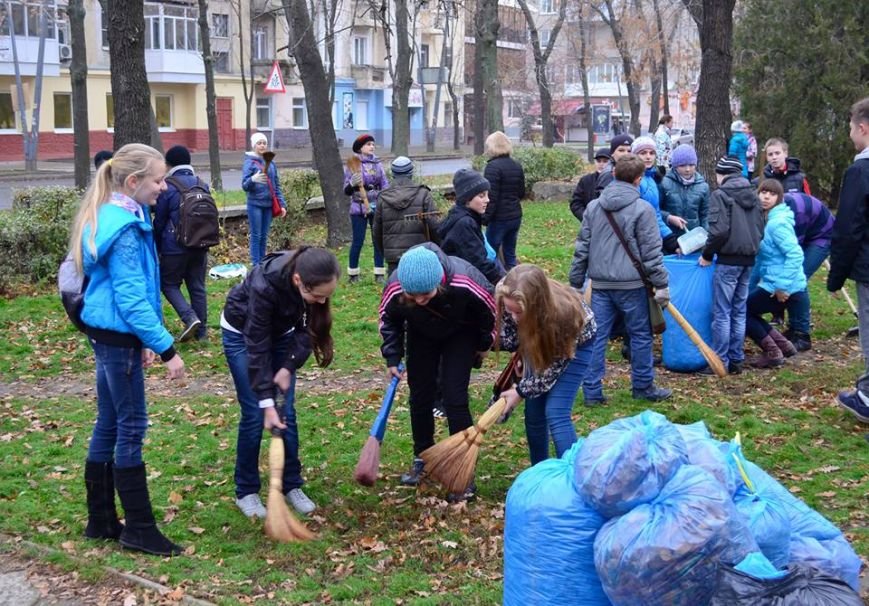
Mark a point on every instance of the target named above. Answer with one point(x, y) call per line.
point(281, 525)
point(452, 461)
point(369, 458)
point(711, 357)
point(354, 165)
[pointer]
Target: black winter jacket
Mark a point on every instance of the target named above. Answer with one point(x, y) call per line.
point(584, 194)
point(264, 308)
point(735, 223)
point(396, 228)
point(793, 179)
point(506, 189)
point(464, 303)
point(462, 236)
point(849, 252)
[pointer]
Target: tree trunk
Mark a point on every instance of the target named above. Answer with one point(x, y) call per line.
point(479, 91)
point(78, 73)
point(210, 107)
point(402, 82)
point(654, 96)
point(489, 27)
point(247, 96)
point(627, 64)
point(715, 22)
point(327, 159)
point(586, 96)
point(130, 90)
point(662, 44)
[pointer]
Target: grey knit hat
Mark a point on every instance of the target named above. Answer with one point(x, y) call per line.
point(468, 183)
point(402, 165)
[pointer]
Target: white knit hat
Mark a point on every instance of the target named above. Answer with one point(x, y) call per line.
point(257, 137)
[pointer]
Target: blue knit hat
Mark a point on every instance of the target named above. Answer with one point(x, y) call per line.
point(684, 155)
point(402, 165)
point(419, 271)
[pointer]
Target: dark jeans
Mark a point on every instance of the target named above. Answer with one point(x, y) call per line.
point(800, 309)
point(729, 295)
point(250, 426)
point(504, 235)
point(190, 269)
point(260, 220)
point(360, 225)
point(454, 356)
point(122, 417)
point(761, 302)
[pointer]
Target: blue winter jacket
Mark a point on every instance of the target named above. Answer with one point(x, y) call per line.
point(650, 193)
point(123, 294)
point(166, 211)
point(691, 202)
point(738, 148)
point(259, 194)
point(779, 262)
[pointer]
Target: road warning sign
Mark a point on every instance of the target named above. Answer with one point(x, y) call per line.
point(275, 83)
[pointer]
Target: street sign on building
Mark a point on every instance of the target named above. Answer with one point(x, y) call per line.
point(275, 83)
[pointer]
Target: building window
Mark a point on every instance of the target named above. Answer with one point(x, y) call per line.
point(607, 73)
point(7, 114)
point(423, 55)
point(448, 113)
point(514, 108)
point(572, 75)
point(300, 114)
point(163, 110)
point(551, 72)
point(104, 28)
point(360, 50)
point(221, 61)
point(545, 34)
point(110, 112)
point(547, 6)
point(171, 27)
point(25, 18)
point(261, 43)
point(219, 25)
point(62, 110)
point(264, 113)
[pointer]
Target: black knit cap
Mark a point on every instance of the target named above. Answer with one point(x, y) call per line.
point(619, 140)
point(360, 141)
point(101, 156)
point(468, 183)
point(728, 165)
point(177, 156)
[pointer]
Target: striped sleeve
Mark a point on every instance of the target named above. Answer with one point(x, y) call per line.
point(487, 306)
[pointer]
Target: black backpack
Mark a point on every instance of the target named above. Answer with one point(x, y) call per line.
point(72, 284)
point(198, 219)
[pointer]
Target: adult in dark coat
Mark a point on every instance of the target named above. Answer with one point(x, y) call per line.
point(503, 216)
point(585, 188)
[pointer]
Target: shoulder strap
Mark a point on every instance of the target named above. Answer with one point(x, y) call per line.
point(181, 189)
point(268, 179)
point(637, 265)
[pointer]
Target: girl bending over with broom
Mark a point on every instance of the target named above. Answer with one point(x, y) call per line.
point(271, 323)
point(553, 329)
point(445, 308)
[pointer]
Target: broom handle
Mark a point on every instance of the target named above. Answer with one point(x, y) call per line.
point(711, 357)
point(378, 428)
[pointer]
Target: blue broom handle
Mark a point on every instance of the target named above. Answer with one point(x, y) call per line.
point(378, 429)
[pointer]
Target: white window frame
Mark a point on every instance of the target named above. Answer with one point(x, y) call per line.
point(264, 102)
point(424, 55)
point(219, 25)
point(544, 35)
point(298, 104)
point(171, 127)
point(360, 50)
point(547, 7)
point(62, 129)
point(260, 36)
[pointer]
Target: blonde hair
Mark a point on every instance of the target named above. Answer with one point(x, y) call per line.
point(497, 144)
point(552, 315)
point(133, 159)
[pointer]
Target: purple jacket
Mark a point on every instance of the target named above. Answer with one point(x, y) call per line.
point(814, 221)
point(373, 178)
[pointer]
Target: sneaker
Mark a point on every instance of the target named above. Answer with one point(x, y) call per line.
point(734, 368)
point(469, 494)
point(251, 506)
point(595, 402)
point(353, 279)
point(380, 279)
point(189, 331)
point(706, 370)
point(853, 403)
point(300, 501)
point(414, 475)
point(438, 413)
point(652, 393)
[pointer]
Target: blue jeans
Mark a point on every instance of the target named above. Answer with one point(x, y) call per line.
point(504, 235)
point(729, 297)
point(260, 220)
point(549, 413)
point(360, 225)
point(761, 302)
point(800, 309)
point(250, 426)
point(189, 268)
point(122, 418)
point(634, 305)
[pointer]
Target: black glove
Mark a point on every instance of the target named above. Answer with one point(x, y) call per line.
point(349, 189)
point(671, 243)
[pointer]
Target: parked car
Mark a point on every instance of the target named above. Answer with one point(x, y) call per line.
point(682, 135)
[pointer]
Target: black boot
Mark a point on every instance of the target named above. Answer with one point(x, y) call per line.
point(141, 532)
point(102, 517)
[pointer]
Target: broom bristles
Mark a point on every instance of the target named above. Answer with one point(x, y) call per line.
point(369, 463)
point(280, 524)
point(453, 460)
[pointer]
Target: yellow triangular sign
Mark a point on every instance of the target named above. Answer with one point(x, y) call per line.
point(275, 82)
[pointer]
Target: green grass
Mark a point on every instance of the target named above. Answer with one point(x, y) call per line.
point(388, 543)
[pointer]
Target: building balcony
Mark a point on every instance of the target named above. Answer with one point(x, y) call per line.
point(28, 52)
point(262, 69)
point(368, 76)
point(175, 66)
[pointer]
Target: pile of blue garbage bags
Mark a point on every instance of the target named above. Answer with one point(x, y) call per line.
point(645, 512)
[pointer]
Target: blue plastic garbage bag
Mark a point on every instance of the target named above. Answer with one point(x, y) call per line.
point(627, 462)
point(691, 293)
point(706, 452)
point(769, 524)
point(549, 539)
point(667, 552)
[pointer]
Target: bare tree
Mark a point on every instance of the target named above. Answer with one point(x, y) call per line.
point(488, 101)
point(130, 89)
point(247, 92)
point(451, 13)
point(210, 108)
point(583, 26)
point(78, 73)
point(327, 159)
point(714, 19)
point(616, 25)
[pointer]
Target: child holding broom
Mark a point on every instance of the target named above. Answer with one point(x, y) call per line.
point(553, 329)
point(271, 323)
point(444, 307)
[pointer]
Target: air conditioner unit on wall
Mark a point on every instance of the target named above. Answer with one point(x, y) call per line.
point(64, 51)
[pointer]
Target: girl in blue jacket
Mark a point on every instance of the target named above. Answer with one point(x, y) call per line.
point(112, 244)
point(777, 280)
point(261, 187)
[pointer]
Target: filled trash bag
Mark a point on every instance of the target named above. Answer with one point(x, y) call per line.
point(768, 523)
point(706, 452)
point(549, 539)
point(667, 552)
point(799, 585)
point(691, 293)
point(627, 462)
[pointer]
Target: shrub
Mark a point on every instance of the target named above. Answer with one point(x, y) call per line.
point(541, 164)
point(298, 186)
point(34, 235)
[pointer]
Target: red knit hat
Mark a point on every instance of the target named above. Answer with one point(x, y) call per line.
point(360, 141)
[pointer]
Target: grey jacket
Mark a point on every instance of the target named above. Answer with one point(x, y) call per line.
point(600, 255)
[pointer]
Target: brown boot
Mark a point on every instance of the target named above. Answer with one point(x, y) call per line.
point(787, 348)
point(772, 355)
